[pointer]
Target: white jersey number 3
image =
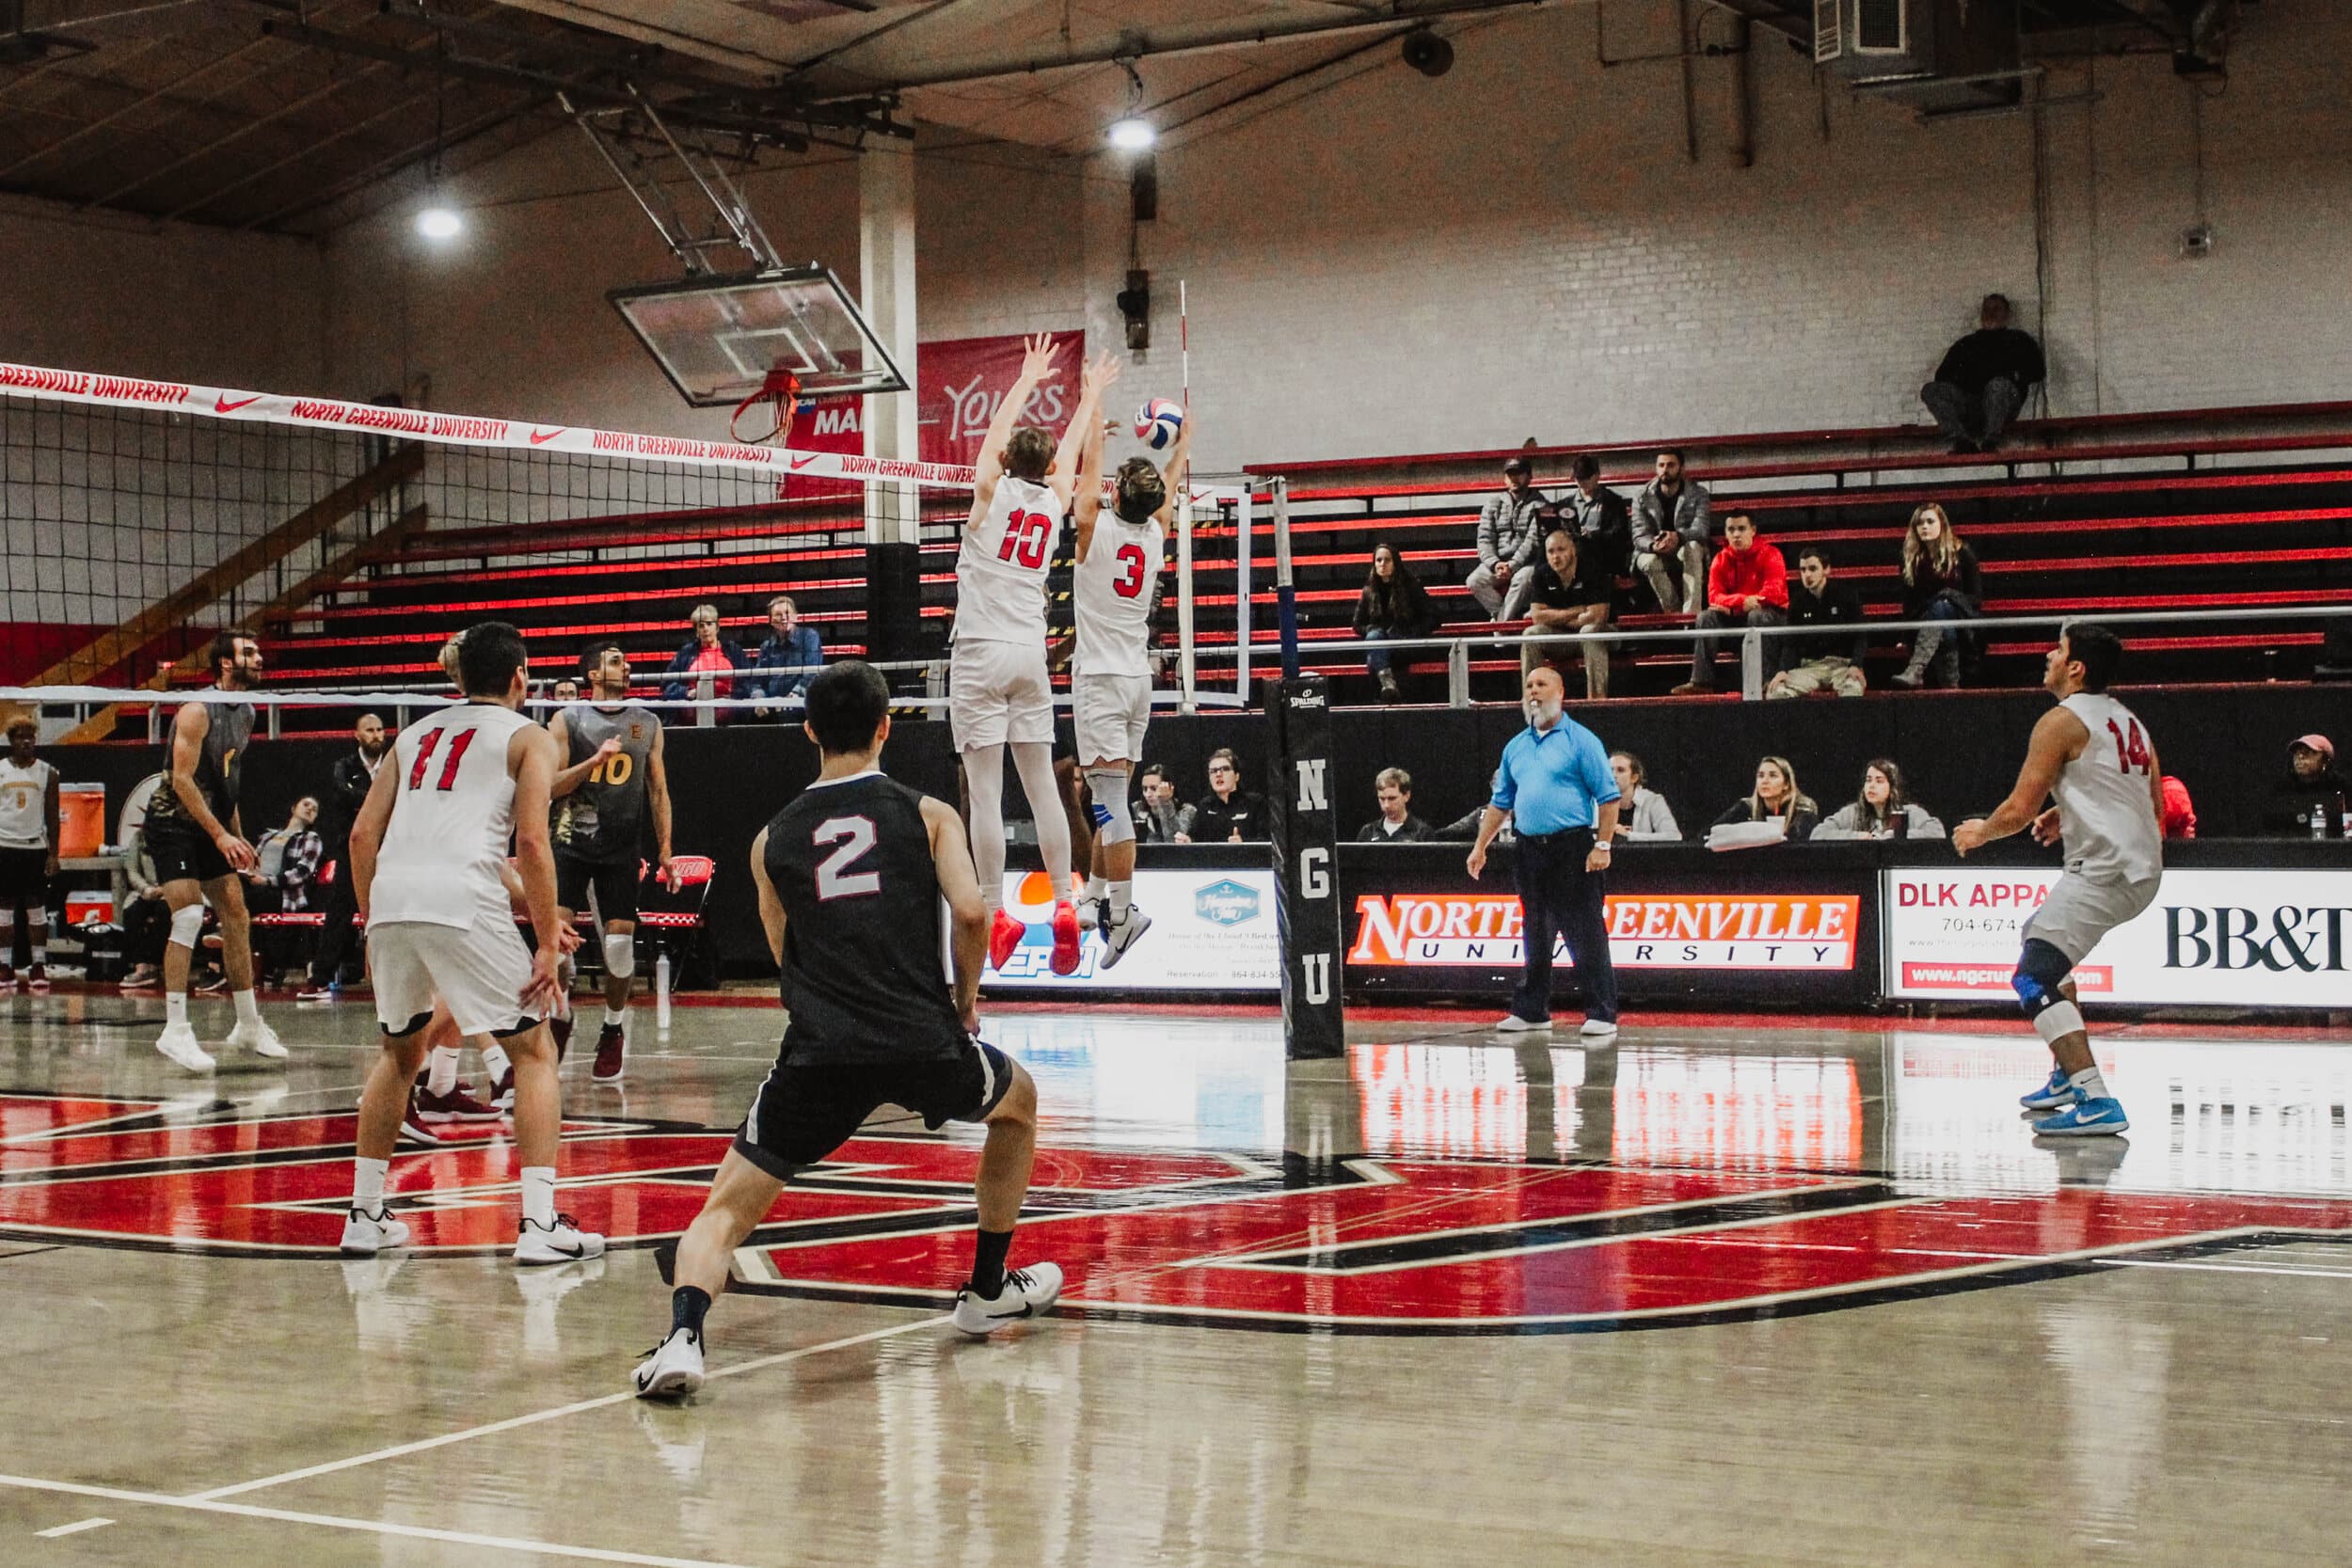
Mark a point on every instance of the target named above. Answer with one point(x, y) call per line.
point(834, 879)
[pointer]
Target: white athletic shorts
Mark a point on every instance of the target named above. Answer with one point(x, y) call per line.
point(1000, 693)
point(1112, 713)
point(480, 974)
point(2081, 909)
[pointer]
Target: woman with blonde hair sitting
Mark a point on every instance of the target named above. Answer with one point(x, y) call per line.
point(1776, 803)
point(1941, 582)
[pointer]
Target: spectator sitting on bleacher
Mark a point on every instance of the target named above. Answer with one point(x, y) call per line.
point(146, 919)
point(2180, 812)
point(286, 863)
point(1777, 799)
point(1941, 582)
point(1671, 524)
point(1645, 817)
point(1830, 658)
point(1510, 532)
point(1599, 518)
point(1568, 601)
point(1396, 823)
point(1228, 813)
point(1883, 809)
point(1158, 818)
point(789, 660)
point(1394, 604)
point(2311, 780)
point(1747, 585)
point(564, 692)
point(707, 652)
point(1984, 379)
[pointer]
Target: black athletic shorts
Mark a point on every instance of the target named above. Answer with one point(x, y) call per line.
point(185, 857)
point(616, 886)
point(801, 1113)
point(1065, 738)
point(23, 878)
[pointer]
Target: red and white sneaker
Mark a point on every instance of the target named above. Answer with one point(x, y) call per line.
point(413, 1127)
point(612, 1047)
point(37, 978)
point(1066, 938)
point(456, 1106)
point(1004, 935)
point(502, 1092)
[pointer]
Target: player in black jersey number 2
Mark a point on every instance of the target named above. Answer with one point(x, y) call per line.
point(851, 878)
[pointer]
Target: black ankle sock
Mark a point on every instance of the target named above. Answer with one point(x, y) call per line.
point(687, 1307)
point(988, 1261)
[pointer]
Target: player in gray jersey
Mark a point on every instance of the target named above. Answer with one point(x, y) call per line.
point(2095, 758)
point(613, 779)
point(199, 850)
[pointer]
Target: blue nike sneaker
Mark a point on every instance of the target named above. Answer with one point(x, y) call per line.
point(2085, 1119)
point(2053, 1095)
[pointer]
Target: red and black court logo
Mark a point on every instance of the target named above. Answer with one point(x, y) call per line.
point(1358, 1245)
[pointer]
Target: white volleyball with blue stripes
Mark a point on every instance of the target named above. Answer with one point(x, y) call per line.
point(1158, 422)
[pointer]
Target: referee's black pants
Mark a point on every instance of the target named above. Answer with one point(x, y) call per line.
point(339, 937)
point(1560, 897)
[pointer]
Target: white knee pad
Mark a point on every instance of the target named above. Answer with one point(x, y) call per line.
point(1112, 825)
point(2058, 1021)
point(620, 954)
point(187, 924)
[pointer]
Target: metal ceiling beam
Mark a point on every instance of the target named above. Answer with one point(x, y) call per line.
point(1198, 38)
point(384, 167)
point(1768, 13)
point(167, 90)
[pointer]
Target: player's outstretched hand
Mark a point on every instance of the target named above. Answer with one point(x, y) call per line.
point(609, 749)
point(236, 851)
point(1037, 357)
point(669, 874)
point(1969, 835)
point(970, 1017)
point(2045, 827)
point(543, 991)
point(1101, 372)
point(1477, 861)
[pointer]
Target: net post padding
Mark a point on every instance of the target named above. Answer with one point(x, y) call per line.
point(1306, 870)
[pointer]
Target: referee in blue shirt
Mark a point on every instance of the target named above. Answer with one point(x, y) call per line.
point(1556, 786)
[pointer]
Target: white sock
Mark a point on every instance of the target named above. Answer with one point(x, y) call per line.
point(615, 1017)
point(40, 954)
point(2089, 1083)
point(249, 1010)
point(1121, 894)
point(494, 1062)
point(441, 1070)
point(367, 1183)
point(175, 1007)
point(539, 1195)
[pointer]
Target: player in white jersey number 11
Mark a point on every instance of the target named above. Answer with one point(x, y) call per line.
point(1118, 563)
point(999, 693)
point(2095, 757)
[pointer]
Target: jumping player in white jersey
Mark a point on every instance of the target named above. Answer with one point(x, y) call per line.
point(2095, 756)
point(1119, 562)
point(427, 857)
point(998, 688)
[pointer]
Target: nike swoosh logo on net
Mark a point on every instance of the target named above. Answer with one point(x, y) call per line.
point(799, 463)
point(222, 405)
point(540, 438)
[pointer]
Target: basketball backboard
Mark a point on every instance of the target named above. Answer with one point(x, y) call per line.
point(717, 339)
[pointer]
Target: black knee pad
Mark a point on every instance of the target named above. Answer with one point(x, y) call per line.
point(2041, 968)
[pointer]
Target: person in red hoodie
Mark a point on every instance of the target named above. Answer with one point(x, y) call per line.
point(1747, 584)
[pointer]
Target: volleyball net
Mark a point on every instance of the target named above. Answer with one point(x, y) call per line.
point(141, 517)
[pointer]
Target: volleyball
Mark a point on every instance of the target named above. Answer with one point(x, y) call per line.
point(1158, 422)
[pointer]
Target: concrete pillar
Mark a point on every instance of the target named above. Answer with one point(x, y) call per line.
point(887, 290)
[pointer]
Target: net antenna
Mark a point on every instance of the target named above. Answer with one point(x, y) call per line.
point(743, 328)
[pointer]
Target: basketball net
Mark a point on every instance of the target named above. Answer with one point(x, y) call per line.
point(781, 391)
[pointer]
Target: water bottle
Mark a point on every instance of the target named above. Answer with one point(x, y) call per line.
point(2319, 820)
point(662, 992)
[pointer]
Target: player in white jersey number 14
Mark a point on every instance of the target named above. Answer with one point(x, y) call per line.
point(2092, 755)
point(1118, 563)
point(998, 690)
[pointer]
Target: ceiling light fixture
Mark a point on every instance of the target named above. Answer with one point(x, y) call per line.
point(440, 223)
point(1131, 131)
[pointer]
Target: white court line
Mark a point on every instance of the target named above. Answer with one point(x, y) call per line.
point(2225, 1268)
point(513, 1422)
point(370, 1527)
point(74, 1529)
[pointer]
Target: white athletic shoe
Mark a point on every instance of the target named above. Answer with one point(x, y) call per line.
point(365, 1234)
point(673, 1370)
point(179, 1042)
point(1600, 1029)
point(1513, 1024)
point(1091, 914)
point(1025, 1294)
point(562, 1242)
point(257, 1037)
point(1119, 935)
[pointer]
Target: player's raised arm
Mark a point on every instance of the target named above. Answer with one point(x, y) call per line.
point(1037, 363)
point(1069, 471)
point(1177, 474)
point(571, 778)
point(1086, 475)
point(771, 906)
point(2058, 740)
point(368, 828)
point(951, 856)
